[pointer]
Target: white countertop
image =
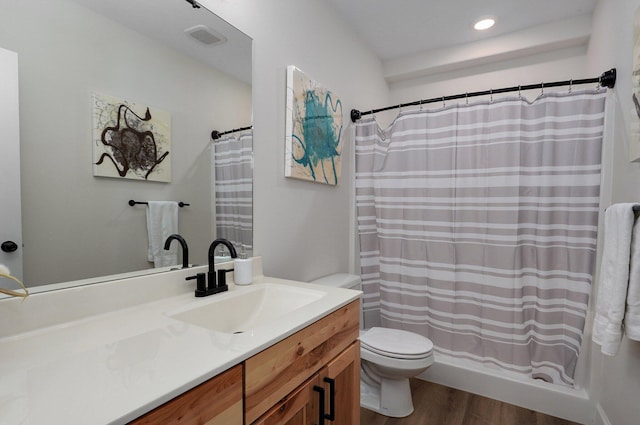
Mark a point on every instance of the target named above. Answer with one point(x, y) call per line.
point(112, 367)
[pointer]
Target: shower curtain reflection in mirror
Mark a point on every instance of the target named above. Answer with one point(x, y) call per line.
point(233, 183)
point(478, 227)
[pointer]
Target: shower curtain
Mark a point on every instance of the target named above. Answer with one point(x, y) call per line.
point(233, 183)
point(478, 224)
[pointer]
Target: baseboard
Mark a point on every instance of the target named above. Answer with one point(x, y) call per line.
point(601, 416)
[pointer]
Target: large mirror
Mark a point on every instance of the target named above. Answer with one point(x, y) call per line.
point(76, 225)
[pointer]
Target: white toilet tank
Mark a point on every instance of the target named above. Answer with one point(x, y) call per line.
point(343, 280)
point(340, 280)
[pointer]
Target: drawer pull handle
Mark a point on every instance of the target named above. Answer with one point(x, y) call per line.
point(332, 399)
point(321, 415)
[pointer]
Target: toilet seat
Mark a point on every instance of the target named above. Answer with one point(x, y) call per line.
point(396, 343)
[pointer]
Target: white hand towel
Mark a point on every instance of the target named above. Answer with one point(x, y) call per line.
point(614, 277)
point(632, 315)
point(162, 221)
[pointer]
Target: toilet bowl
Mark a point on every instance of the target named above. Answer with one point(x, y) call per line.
point(389, 357)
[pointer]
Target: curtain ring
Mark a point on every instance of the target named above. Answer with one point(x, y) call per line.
point(421, 104)
point(466, 97)
point(570, 85)
point(491, 94)
point(542, 88)
point(519, 92)
point(443, 104)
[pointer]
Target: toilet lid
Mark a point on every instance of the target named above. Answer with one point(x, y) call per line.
point(396, 343)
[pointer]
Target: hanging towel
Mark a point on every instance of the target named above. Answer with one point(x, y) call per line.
point(614, 276)
point(632, 315)
point(162, 221)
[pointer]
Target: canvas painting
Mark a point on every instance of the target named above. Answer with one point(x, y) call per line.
point(130, 141)
point(634, 144)
point(313, 149)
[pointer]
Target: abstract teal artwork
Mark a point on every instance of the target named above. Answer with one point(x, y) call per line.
point(313, 148)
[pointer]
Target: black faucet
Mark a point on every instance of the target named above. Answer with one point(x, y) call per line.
point(183, 244)
point(202, 288)
point(221, 273)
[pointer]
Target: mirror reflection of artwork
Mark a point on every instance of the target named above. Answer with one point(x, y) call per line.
point(635, 86)
point(314, 129)
point(130, 141)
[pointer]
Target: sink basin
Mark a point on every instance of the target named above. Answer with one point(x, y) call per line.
point(246, 308)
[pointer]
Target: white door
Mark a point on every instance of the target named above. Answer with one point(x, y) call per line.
point(10, 207)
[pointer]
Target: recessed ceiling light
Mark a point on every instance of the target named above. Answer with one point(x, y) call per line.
point(484, 24)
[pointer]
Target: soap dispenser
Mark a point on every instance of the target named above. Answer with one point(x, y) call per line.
point(242, 269)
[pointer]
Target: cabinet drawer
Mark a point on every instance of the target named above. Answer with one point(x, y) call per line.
point(296, 409)
point(273, 373)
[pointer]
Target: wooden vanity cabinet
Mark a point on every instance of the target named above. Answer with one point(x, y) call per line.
point(217, 401)
point(303, 405)
point(285, 382)
point(294, 382)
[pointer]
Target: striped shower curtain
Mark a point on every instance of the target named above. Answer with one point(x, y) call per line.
point(478, 226)
point(233, 183)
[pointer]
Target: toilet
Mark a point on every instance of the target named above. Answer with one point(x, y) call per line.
point(389, 357)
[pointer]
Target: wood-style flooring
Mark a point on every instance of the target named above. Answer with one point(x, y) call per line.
point(439, 405)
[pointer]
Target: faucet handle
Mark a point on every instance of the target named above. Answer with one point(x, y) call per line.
point(222, 277)
point(201, 284)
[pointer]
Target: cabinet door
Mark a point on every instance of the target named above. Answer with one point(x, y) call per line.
point(277, 371)
point(215, 402)
point(343, 374)
point(298, 408)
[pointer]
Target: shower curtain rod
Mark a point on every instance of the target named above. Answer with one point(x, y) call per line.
point(215, 134)
point(607, 79)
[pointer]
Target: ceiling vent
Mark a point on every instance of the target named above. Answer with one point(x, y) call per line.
point(205, 35)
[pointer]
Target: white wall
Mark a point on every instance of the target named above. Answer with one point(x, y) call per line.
point(615, 383)
point(551, 66)
point(302, 230)
point(65, 53)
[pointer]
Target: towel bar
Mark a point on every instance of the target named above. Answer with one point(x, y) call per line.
point(132, 203)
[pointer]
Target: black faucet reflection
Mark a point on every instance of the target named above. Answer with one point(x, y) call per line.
point(183, 244)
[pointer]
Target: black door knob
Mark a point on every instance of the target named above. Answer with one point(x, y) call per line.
point(9, 246)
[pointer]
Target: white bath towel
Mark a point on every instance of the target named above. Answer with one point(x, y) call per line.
point(632, 314)
point(614, 276)
point(162, 221)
